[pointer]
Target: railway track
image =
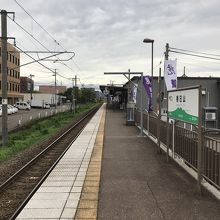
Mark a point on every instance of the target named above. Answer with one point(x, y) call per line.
point(19, 188)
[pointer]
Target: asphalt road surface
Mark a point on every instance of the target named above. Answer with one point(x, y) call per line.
point(24, 116)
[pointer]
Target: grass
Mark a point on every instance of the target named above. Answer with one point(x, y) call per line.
point(37, 131)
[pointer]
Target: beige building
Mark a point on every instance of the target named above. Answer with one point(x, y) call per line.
point(51, 89)
point(13, 78)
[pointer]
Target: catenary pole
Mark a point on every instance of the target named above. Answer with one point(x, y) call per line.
point(4, 78)
point(55, 83)
point(31, 87)
point(72, 104)
point(75, 94)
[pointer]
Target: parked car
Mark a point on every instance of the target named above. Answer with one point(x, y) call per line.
point(14, 109)
point(22, 105)
point(9, 109)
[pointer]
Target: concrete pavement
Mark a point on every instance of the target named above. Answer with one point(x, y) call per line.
point(138, 183)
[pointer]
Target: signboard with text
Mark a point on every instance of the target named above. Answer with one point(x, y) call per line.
point(183, 105)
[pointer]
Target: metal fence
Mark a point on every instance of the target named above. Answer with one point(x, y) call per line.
point(184, 144)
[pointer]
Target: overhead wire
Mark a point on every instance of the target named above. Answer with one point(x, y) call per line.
point(57, 43)
point(63, 76)
point(196, 52)
point(37, 61)
point(36, 22)
point(195, 55)
point(208, 56)
point(161, 60)
point(34, 59)
point(37, 40)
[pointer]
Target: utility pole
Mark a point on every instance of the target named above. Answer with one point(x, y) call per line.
point(167, 52)
point(74, 93)
point(167, 124)
point(4, 78)
point(31, 87)
point(55, 87)
point(73, 97)
point(159, 111)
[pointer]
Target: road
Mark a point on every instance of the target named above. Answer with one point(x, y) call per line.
point(24, 116)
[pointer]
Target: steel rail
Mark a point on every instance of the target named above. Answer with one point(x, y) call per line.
point(38, 156)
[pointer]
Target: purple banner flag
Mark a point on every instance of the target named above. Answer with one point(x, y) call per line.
point(148, 88)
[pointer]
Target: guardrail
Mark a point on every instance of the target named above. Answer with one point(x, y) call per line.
point(44, 114)
point(183, 143)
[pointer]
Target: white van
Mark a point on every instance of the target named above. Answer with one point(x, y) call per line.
point(46, 105)
point(22, 105)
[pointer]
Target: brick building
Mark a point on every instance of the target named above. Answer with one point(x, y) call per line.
point(51, 89)
point(13, 74)
point(26, 84)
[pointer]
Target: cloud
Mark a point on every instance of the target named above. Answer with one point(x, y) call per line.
point(107, 35)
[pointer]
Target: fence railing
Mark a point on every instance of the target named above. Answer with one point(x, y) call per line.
point(184, 144)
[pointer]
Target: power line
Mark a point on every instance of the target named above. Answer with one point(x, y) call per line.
point(190, 51)
point(28, 33)
point(47, 33)
point(63, 76)
point(46, 77)
point(37, 61)
point(34, 59)
point(32, 36)
point(37, 23)
point(158, 63)
point(195, 55)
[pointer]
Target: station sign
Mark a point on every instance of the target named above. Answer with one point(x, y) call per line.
point(183, 105)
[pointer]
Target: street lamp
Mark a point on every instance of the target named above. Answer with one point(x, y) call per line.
point(147, 40)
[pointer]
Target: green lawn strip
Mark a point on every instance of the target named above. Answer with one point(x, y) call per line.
point(37, 131)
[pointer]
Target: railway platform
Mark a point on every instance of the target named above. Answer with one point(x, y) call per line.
point(110, 172)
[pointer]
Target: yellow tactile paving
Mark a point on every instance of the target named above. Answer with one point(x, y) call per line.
point(88, 204)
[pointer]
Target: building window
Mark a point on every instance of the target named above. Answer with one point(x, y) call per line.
point(13, 59)
point(10, 58)
point(18, 62)
point(18, 88)
point(18, 75)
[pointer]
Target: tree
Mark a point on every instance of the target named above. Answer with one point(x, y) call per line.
point(69, 93)
point(87, 95)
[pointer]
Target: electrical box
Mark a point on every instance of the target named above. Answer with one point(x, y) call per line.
point(210, 117)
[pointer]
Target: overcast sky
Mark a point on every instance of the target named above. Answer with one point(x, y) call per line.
point(107, 36)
